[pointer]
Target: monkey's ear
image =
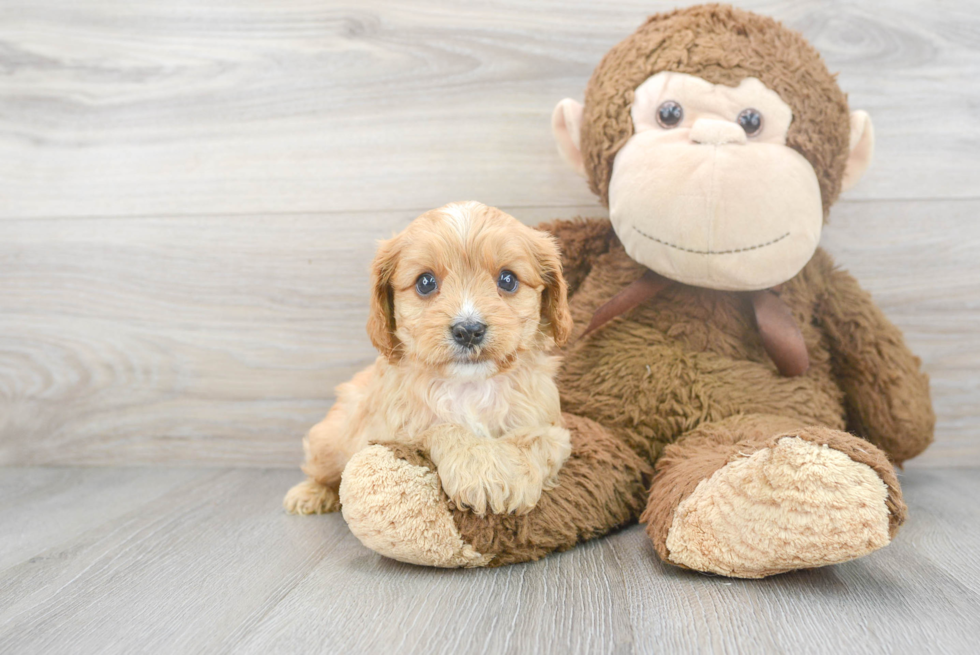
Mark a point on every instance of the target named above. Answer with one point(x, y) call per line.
point(566, 125)
point(862, 149)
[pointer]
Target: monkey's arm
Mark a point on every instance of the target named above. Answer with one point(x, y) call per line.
point(581, 240)
point(887, 395)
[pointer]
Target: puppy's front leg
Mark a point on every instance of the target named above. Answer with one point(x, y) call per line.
point(546, 449)
point(503, 475)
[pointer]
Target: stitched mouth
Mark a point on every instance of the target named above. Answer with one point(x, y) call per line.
point(710, 252)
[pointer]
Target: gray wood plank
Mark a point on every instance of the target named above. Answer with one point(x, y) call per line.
point(43, 507)
point(214, 566)
point(176, 575)
point(218, 340)
point(192, 107)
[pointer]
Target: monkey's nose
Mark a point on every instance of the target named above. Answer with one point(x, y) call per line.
point(469, 333)
point(711, 132)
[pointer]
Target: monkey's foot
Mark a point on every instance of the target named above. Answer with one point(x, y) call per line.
point(397, 508)
point(311, 498)
point(795, 505)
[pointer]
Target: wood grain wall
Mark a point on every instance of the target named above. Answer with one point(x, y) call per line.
point(190, 192)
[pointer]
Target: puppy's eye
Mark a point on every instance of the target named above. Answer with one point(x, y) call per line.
point(426, 284)
point(507, 281)
point(751, 121)
point(670, 114)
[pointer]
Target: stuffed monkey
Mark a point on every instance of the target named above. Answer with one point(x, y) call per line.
point(726, 384)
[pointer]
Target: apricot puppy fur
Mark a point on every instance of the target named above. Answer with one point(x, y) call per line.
point(467, 305)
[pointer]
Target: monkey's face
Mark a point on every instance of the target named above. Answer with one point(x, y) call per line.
point(706, 191)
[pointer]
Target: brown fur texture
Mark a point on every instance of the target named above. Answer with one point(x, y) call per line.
point(693, 356)
point(722, 45)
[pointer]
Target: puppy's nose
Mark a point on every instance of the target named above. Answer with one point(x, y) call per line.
point(469, 333)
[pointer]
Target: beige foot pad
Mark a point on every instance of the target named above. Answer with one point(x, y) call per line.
point(311, 498)
point(397, 509)
point(797, 505)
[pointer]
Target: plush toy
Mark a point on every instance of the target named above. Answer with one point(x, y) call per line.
point(726, 384)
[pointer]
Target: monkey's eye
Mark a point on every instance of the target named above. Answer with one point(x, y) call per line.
point(751, 121)
point(670, 114)
point(426, 284)
point(507, 281)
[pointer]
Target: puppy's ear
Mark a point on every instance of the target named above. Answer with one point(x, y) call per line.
point(554, 299)
point(381, 320)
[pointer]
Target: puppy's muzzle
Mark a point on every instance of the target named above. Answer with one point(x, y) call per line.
point(468, 333)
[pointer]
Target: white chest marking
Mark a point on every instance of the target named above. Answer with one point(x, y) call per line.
point(477, 403)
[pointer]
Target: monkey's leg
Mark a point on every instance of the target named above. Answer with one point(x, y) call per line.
point(393, 502)
point(752, 496)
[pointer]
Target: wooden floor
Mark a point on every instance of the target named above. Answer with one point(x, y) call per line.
point(131, 560)
point(190, 192)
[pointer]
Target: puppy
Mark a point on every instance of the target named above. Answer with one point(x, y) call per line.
point(467, 304)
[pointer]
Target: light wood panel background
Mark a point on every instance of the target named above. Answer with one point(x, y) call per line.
point(190, 192)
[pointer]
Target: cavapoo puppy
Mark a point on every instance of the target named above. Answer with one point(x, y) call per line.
point(467, 304)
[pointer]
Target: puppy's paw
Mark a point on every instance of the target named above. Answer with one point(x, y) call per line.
point(311, 498)
point(558, 450)
point(545, 450)
point(491, 475)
